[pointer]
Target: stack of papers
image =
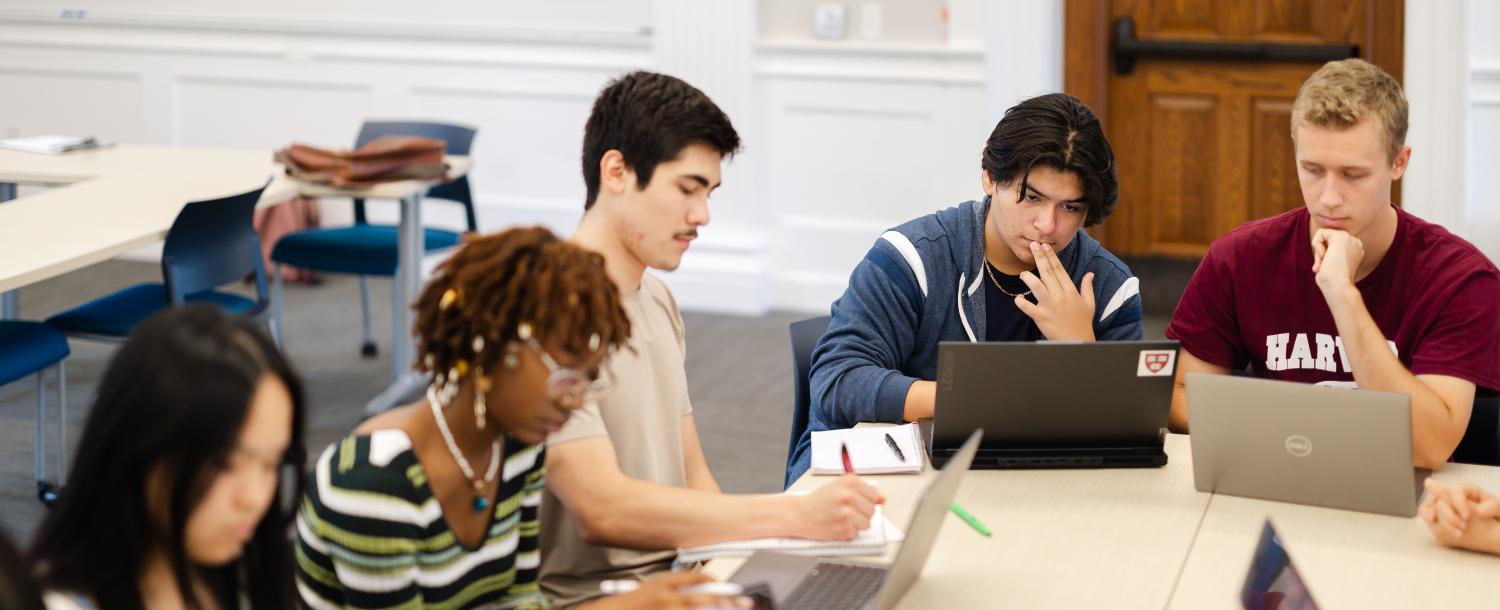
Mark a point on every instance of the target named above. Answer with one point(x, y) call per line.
point(870, 541)
point(869, 452)
point(51, 144)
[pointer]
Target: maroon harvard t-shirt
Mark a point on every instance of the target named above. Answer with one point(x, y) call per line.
point(1254, 300)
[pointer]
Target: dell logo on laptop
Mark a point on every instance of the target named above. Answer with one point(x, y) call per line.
point(1298, 445)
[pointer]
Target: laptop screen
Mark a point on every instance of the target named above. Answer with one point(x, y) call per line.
point(1273, 582)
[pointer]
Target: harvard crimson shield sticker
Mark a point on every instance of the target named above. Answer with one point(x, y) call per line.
point(1156, 363)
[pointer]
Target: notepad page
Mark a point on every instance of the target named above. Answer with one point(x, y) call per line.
point(869, 541)
point(868, 450)
point(50, 144)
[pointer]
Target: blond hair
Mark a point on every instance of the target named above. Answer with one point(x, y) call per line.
point(1343, 92)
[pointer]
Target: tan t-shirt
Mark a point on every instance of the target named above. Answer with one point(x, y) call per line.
point(642, 416)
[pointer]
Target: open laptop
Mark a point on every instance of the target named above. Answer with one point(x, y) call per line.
point(1305, 444)
point(1273, 581)
point(1053, 404)
point(810, 583)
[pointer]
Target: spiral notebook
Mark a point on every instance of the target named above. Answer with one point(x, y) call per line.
point(869, 451)
point(869, 541)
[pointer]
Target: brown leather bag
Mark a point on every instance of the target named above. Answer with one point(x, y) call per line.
point(384, 159)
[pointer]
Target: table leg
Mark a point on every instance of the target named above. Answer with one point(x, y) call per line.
point(408, 282)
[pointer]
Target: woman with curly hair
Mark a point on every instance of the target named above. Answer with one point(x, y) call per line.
point(435, 503)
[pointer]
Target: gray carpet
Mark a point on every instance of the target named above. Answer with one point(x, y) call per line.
point(739, 375)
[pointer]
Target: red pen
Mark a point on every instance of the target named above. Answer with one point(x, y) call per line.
point(848, 464)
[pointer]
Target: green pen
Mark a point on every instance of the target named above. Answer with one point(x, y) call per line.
point(969, 519)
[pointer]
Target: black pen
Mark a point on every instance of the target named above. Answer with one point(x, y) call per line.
point(894, 447)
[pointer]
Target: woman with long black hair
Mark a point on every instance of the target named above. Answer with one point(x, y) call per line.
point(184, 486)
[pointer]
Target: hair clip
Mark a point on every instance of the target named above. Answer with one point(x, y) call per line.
point(449, 297)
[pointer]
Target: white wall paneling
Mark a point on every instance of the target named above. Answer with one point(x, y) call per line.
point(1482, 213)
point(65, 98)
point(1436, 81)
point(167, 79)
point(857, 141)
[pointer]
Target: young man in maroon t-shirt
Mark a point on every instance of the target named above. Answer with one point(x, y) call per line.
point(1349, 290)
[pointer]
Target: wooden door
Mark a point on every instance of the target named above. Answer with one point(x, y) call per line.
point(1202, 144)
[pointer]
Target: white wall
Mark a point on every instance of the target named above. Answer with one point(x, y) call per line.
point(1483, 209)
point(1452, 80)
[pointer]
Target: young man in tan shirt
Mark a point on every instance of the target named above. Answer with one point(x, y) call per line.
point(627, 481)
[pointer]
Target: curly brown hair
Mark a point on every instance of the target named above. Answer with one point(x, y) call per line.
point(494, 283)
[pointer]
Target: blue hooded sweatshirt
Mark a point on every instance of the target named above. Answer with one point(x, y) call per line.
point(920, 285)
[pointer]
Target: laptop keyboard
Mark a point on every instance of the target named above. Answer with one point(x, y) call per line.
point(833, 586)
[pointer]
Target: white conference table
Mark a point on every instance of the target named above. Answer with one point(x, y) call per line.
point(1347, 559)
point(1062, 538)
point(110, 201)
point(1145, 538)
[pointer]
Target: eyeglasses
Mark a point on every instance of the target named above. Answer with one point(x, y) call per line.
point(566, 385)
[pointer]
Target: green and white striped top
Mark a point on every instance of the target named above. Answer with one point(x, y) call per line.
point(370, 533)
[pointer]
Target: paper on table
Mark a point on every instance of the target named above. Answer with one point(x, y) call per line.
point(868, 450)
point(869, 541)
point(50, 144)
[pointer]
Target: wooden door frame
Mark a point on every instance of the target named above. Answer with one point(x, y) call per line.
point(1086, 35)
point(1086, 38)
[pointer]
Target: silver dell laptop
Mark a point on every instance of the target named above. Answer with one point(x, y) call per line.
point(1302, 443)
point(809, 583)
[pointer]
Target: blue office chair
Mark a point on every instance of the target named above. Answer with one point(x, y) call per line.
point(211, 243)
point(805, 335)
point(366, 249)
point(30, 348)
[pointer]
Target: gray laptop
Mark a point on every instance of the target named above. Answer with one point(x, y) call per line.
point(1055, 404)
point(1302, 443)
point(809, 583)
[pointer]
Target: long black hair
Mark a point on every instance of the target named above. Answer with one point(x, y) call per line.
point(172, 403)
point(17, 590)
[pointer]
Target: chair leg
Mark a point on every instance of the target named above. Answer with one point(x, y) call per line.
point(41, 429)
point(366, 349)
point(276, 307)
point(62, 423)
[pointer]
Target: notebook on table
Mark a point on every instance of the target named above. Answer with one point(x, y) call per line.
point(869, 451)
point(869, 541)
point(51, 144)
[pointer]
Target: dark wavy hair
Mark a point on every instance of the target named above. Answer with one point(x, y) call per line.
point(1058, 131)
point(172, 402)
point(650, 118)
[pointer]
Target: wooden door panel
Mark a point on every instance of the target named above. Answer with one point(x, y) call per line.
point(1183, 149)
point(1184, 19)
point(1290, 20)
point(1273, 172)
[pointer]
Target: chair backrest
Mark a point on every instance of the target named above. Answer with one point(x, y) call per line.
point(1481, 442)
point(459, 139)
point(805, 335)
point(212, 243)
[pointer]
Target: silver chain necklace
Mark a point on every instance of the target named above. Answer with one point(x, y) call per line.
point(480, 502)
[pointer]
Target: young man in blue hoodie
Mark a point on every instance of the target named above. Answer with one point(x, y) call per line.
point(1016, 266)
